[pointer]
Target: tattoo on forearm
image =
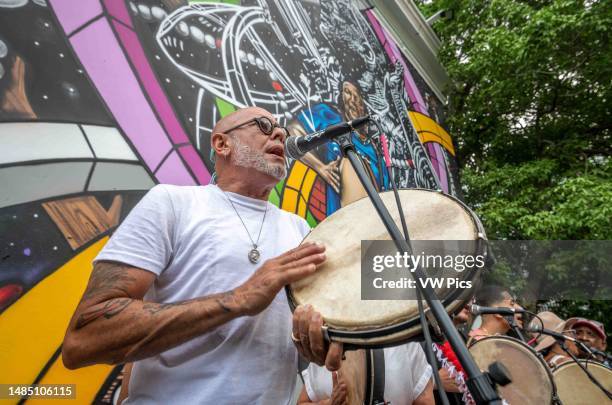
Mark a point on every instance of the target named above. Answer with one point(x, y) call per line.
point(225, 300)
point(154, 308)
point(107, 310)
point(112, 307)
point(108, 277)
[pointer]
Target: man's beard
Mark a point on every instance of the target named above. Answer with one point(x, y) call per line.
point(244, 156)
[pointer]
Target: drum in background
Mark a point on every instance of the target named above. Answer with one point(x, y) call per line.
point(575, 388)
point(353, 373)
point(532, 381)
point(359, 371)
point(335, 289)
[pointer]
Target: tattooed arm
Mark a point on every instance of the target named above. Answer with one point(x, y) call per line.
point(112, 324)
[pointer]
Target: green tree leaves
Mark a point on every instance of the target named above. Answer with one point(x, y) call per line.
point(530, 112)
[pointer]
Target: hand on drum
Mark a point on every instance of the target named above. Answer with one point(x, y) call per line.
point(260, 289)
point(309, 340)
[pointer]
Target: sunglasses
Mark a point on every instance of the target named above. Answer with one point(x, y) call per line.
point(265, 125)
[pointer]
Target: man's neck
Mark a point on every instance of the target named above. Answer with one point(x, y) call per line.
point(492, 328)
point(242, 187)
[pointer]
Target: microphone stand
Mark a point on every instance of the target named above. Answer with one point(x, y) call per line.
point(429, 353)
point(431, 357)
point(515, 328)
point(480, 385)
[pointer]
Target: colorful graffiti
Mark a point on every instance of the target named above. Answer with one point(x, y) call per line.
point(100, 101)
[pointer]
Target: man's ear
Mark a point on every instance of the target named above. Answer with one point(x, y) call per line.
point(219, 143)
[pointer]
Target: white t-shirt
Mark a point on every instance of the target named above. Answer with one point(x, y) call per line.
point(192, 239)
point(406, 375)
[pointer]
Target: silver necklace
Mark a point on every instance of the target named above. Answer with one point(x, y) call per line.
point(254, 253)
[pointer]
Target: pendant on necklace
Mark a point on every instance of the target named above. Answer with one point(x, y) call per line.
point(254, 255)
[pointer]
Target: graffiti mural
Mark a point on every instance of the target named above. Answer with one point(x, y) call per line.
point(301, 61)
point(101, 101)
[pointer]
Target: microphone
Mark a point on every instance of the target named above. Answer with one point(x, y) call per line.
point(559, 336)
point(478, 310)
point(600, 353)
point(298, 146)
point(544, 331)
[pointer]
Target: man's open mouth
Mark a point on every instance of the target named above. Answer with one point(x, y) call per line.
point(277, 150)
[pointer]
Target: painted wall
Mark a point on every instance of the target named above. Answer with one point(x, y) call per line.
point(102, 99)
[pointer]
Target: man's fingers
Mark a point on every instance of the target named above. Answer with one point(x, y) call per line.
point(297, 314)
point(295, 319)
point(315, 335)
point(315, 258)
point(334, 379)
point(303, 326)
point(295, 332)
point(298, 273)
point(333, 361)
point(299, 248)
point(291, 252)
point(305, 249)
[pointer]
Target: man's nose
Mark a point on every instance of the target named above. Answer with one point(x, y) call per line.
point(278, 134)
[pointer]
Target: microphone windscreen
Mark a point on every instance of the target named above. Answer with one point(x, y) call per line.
point(291, 148)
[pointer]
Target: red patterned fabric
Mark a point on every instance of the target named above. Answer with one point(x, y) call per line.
point(450, 355)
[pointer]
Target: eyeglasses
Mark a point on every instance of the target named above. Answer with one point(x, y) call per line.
point(265, 125)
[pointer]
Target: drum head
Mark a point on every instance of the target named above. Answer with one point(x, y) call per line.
point(335, 289)
point(575, 388)
point(531, 379)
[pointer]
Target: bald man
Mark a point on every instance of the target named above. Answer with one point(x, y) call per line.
point(187, 287)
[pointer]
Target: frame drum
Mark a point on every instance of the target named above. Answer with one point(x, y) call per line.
point(532, 381)
point(575, 388)
point(335, 289)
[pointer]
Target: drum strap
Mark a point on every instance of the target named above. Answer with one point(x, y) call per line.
point(302, 364)
point(375, 381)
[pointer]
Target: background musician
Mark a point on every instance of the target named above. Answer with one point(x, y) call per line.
point(552, 351)
point(451, 375)
point(591, 333)
point(407, 379)
point(492, 324)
